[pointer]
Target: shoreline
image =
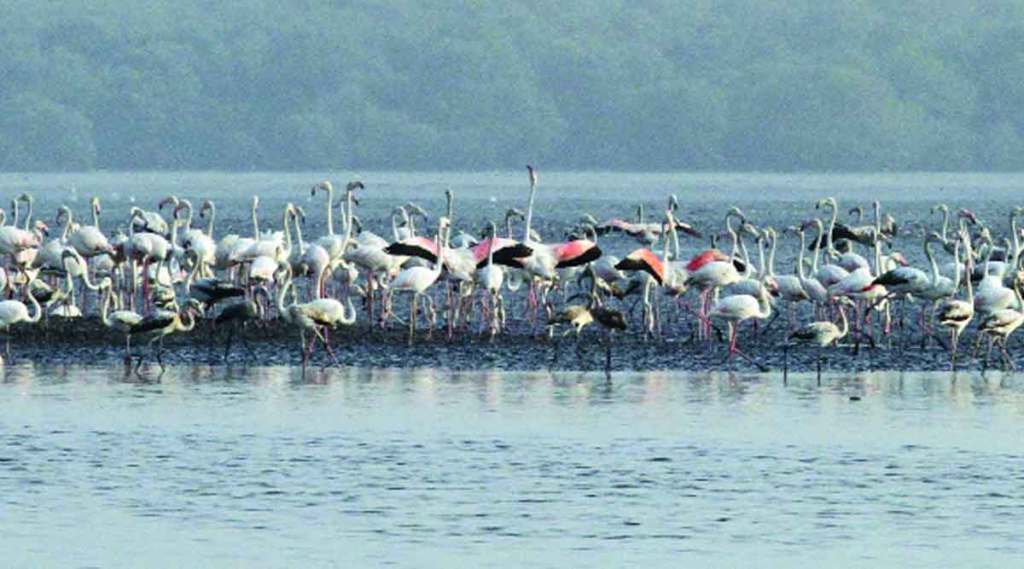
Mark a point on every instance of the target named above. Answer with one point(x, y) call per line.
point(86, 340)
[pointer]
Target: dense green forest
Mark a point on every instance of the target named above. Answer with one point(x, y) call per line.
point(601, 84)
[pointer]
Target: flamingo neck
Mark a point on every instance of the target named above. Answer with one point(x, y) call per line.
point(86, 279)
point(28, 215)
point(348, 221)
point(829, 246)
point(298, 234)
point(37, 311)
point(67, 225)
point(105, 307)
point(931, 261)
point(255, 223)
point(529, 213)
point(191, 321)
point(330, 212)
point(675, 240)
point(817, 246)
point(192, 275)
point(945, 223)
point(209, 224)
point(1016, 240)
point(664, 236)
point(188, 218)
point(281, 292)
point(287, 231)
point(800, 255)
point(968, 269)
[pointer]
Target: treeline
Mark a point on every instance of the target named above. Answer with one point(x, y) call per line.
point(601, 84)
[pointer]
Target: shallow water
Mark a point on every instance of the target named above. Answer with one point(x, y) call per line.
point(426, 468)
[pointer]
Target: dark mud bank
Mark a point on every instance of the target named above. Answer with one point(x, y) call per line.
point(87, 341)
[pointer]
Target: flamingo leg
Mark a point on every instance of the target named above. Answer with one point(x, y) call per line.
point(954, 338)
point(412, 318)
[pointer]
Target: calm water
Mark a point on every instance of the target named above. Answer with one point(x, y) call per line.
point(430, 469)
point(427, 468)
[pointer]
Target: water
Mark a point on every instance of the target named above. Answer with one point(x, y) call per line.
point(431, 468)
point(780, 200)
point(428, 468)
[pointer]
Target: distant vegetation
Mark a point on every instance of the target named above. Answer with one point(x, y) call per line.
point(601, 84)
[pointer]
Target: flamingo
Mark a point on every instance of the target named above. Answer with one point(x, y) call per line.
point(790, 287)
point(492, 277)
point(143, 221)
point(123, 321)
point(711, 270)
point(313, 315)
point(89, 240)
point(735, 310)
point(237, 315)
point(998, 325)
point(332, 243)
point(547, 258)
point(822, 334)
point(816, 291)
point(162, 323)
point(195, 239)
point(416, 280)
point(15, 311)
point(955, 314)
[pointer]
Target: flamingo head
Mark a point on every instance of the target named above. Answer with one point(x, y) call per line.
point(207, 206)
point(750, 229)
point(182, 204)
point(324, 186)
point(414, 209)
point(967, 214)
point(169, 200)
point(62, 212)
point(736, 212)
point(826, 202)
point(900, 259)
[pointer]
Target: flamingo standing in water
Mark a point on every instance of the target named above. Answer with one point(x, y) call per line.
point(312, 316)
point(736, 309)
point(546, 259)
point(823, 333)
point(14, 311)
point(711, 270)
point(492, 277)
point(955, 314)
point(416, 280)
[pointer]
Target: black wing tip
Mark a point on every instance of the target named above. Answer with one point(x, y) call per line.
point(588, 256)
point(508, 256)
point(403, 250)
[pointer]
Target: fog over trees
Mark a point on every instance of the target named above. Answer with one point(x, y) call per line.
point(601, 84)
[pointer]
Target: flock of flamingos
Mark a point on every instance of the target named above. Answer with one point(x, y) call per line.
point(163, 274)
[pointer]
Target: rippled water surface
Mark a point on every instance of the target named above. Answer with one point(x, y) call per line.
point(427, 468)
